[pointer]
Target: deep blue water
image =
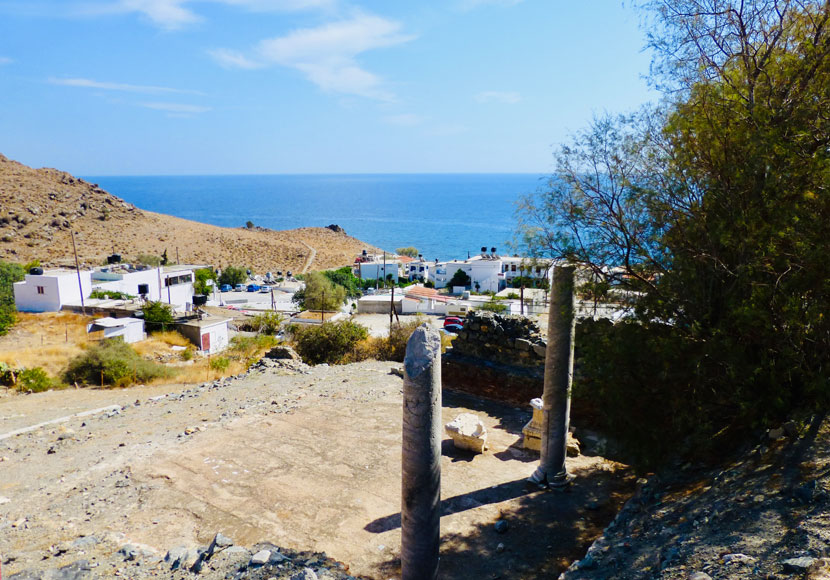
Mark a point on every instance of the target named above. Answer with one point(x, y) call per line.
point(443, 215)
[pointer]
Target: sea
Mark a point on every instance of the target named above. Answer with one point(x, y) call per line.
point(444, 216)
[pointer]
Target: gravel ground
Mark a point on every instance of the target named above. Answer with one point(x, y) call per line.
point(307, 459)
point(763, 515)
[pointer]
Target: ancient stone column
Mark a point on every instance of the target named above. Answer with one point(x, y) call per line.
point(421, 485)
point(559, 362)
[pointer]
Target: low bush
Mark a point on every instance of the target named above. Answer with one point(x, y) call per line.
point(220, 363)
point(157, 316)
point(110, 295)
point(329, 342)
point(112, 362)
point(265, 323)
point(35, 380)
point(493, 306)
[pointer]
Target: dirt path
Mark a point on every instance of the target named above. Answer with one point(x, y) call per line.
point(310, 259)
point(307, 461)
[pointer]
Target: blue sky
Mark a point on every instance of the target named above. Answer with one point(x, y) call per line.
point(144, 87)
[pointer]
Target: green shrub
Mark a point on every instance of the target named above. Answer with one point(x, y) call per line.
point(329, 342)
point(110, 295)
point(188, 352)
point(233, 276)
point(149, 260)
point(112, 362)
point(202, 276)
point(35, 380)
point(157, 316)
point(265, 323)
point(9, 274)
point(220, 363)
point(493, 306)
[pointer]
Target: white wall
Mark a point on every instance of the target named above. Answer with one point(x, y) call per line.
point(180, 295)
point(218, 337)
point(375, 270)
point(49, 291)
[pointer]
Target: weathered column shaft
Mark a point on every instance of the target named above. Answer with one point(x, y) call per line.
point(559, 361)
point(421, 457)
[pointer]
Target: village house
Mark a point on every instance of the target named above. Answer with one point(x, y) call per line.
point(48, 290)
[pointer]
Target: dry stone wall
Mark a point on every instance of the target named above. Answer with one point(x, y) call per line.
point(506, 339)
point(497, 356)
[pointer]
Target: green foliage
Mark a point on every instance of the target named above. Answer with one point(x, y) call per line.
point(265, 323)
point(329, 342)
point(233, 275)
point(529, 282)
point(188, 352)
point(493, 306)
point(410, 251)
point(512, 296)
point(220, 363)
point(319, 293)
point(148, 260)
point(346, 279)
point(8, 375)
point(110, 295)
point(249, 224)
point(112, 362)
point(202, 275)
point(715, 209)
point(9, 274)
point(429, 284)
point(157, 316)
point(460, 278)
point(34, 380)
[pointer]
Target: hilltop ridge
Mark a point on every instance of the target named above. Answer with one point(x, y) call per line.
point(39, 207)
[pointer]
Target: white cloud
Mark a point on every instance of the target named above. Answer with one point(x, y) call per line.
point(233, 59)
point(123, 87)
point(327, 55)
point(507, 97)
point(5, 60)
point(404, 120)
point(175, 14)
point(169, 14)
point(177, 108)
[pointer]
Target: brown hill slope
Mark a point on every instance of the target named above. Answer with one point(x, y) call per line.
point(39, 207)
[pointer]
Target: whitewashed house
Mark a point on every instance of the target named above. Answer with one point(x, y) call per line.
point(50, 290)
point(378, 270)
point(171, 285)
point(130, 329)
point(210, 335)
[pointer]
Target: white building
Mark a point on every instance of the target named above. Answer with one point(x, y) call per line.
point(490, 272)
point(131, 329)
point(49, 291)
point(419, 269)
point(210, 335)
point(377, 270)
point(172, 285)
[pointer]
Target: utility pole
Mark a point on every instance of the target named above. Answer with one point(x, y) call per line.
point(391, 310)
point(421, 456)
point(78, 270)
point(556, 398)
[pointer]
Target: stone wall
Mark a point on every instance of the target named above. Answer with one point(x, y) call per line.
point(506, 339)
point(497, 356)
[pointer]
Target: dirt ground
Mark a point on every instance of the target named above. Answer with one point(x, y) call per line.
point(308, 460)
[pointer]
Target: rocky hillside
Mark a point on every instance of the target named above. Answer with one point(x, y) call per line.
point(39, 207)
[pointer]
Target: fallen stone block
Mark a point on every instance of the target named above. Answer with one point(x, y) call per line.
point(467, 432)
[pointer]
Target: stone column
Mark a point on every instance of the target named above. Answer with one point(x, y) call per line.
point(421, 461)
point(559, 362)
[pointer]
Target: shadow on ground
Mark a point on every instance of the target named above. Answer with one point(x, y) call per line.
point(546, 531)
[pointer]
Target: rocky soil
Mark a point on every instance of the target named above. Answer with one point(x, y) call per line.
point(298, 468)
point(763, 515)
point(39, 207)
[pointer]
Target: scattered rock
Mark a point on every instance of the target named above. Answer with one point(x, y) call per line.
point(699, 576)
point(738, 558)
point(305, 574)
point(260, 558)
point(798, 565)
point(501, 526)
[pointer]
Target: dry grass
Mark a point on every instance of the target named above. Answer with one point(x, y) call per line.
point(45, 340)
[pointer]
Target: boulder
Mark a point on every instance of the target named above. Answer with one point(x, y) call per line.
point(468, 432)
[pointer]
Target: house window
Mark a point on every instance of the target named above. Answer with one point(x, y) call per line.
point(538, 270)
point(41, 290)
point(513, 268)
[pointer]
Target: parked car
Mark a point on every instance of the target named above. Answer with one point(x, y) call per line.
point(453, 324)
point(239, 288)
point(265, 289)
point(253, 287)
point(225, 288)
